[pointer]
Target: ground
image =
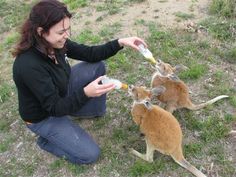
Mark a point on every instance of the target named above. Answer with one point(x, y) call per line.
point(24, 158)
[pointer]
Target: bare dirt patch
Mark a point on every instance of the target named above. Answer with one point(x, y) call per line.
point(162, 12)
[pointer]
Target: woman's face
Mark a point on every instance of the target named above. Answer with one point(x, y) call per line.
point(59, 33)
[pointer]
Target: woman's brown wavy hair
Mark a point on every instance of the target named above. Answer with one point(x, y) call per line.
point(45, 14)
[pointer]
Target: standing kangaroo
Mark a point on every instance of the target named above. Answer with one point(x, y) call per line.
point(161, 129)
point(177, 93)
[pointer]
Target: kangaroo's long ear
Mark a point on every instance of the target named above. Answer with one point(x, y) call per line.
point(158, 90)
point(173, 77)
point(147, 104)
point(180, 67)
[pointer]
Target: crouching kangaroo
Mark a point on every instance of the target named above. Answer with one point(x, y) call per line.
point(177, 93)
point(161, 129)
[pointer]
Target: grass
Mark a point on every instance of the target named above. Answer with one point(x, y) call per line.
point(195, 71)
point(205, 131)
point(213, 129)
point(5, 145)
point(184, 16)
point(74, 4)
point(220, 28)
point(108, 31)
point(88, 37)
point(140, 168)
point(12, 17)
point(5, 92)
point(225, 8)
point(230, 55)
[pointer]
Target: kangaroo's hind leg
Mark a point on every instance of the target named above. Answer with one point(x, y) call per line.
point(149, 153)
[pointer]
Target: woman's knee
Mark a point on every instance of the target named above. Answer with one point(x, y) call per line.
point(89, 156)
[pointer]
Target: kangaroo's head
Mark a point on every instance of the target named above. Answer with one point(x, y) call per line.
point(166, 70)
point(140, 94)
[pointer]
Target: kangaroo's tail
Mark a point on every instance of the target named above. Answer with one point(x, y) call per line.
point(184, 163)
point(202, 105)
point(232, 132)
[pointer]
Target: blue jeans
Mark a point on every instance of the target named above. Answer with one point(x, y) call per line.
point(60, 135)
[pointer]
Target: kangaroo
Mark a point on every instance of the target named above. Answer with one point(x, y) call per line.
point(161, 129)
point(177, 93)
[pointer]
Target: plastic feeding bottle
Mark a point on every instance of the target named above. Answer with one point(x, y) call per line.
point(119, 85)
point(146, 53)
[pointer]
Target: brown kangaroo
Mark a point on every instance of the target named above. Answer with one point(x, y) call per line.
point(161, 129)
point(177, 93)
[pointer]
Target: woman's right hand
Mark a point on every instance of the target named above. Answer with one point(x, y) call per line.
point(94, 89)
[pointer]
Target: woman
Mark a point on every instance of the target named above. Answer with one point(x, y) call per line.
point(49, 90)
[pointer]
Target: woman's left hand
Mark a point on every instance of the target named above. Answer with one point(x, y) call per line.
point(131, 42)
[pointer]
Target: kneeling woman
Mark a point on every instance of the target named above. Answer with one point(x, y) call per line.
point(49, 90)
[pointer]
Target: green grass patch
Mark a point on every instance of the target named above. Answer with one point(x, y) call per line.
point(229, 118)
point(224, 8)
point(217, 152)
point(119, 62)
point(137, 1)
point(12, 168)
point(57, 164)
point(141, 168)
point(230, 55)
point(220, 28)
point(176, 47)
point(74, 4)
point(116, 158)
point(164, 38)
point(4, 125)
point(5, 92)
point(73, 168)
point(195, 71)
point(193, 150)
point(203, 45)
point(111, 6)
point(6, 143)
point(192, 123)
point(12, 17)
point(10, 40)
point(107, 32)
point(87, 37)
point(99, 123)
point(119, 135)
point(221, 85)
point(213, 129)
point(77, 169)
point(184, 16)
point(232, 100)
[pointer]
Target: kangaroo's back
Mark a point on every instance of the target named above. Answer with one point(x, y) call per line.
point(176, 92)
point(161, 129)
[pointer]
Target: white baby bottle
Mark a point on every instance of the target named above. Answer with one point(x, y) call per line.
point(146, 53)
point(119, 84)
